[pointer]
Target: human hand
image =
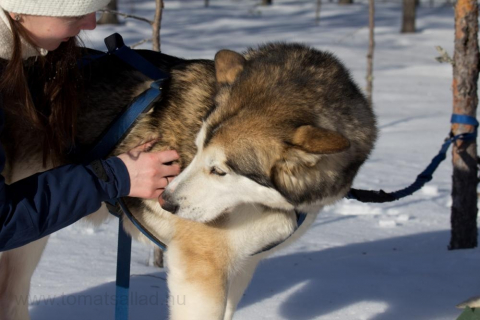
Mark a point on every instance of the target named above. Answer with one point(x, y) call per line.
point(149, 174)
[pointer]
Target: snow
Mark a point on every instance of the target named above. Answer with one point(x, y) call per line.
point(358, 261)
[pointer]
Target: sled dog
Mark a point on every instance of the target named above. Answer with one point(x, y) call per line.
point(261, 135)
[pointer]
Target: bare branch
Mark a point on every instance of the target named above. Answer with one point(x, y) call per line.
point(350, 34)
point(140, 43)
point(444, 56)
point(108, 17)
point(127, 15)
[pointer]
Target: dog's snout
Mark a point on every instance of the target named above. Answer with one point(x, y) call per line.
point(172, 208)
point(168, 203)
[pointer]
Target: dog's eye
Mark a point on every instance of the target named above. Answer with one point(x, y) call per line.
point(217, 172)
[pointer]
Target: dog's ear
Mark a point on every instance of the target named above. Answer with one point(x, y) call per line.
point(319, 141)
point(309, 163)
point(228, 64)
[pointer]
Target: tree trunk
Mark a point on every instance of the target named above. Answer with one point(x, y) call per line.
point(371, 48)
point(157, 22)
point(317, 12)
point(266, 2)
point(409, 12)
point(108, 17)
point(345, 1)
point(465, 100)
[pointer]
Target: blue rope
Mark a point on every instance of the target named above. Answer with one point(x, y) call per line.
point(426, 175)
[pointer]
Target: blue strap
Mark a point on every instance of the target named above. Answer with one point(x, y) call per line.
point(138, 62)
point(124, 252)
point(424, 177)
point(117, 47)
point(123, 123)
point(464, 119)
point(139, 226)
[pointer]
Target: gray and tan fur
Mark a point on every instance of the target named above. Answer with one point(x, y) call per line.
point(280, 128)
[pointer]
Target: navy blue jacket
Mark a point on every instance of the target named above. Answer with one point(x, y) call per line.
point(46, 202)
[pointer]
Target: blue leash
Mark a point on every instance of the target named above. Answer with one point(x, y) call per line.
point(105, 145)
point(381, 196)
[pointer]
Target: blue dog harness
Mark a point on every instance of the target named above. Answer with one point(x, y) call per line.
point(117, 130)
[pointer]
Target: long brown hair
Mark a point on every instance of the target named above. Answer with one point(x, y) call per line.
point(54, 110)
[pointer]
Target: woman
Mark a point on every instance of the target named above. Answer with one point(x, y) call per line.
point(46, 30)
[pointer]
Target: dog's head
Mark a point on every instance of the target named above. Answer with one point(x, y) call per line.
point(280, 135)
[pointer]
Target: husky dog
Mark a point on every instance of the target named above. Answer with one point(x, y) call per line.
point(261, 135)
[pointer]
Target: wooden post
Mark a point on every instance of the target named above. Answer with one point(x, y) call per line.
point(465, 100)
point(371, 47)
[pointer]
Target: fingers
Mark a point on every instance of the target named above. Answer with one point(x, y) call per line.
point(157, 193)
point(169, 170)
point(163, 183)
point(167, 156)
point(150, 172)
point(135, 152)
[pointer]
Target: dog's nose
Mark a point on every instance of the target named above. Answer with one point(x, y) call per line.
point(168, 203)
point(172, 208)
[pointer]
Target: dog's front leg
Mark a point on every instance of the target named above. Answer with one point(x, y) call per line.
point(239, 282)
point(198, 263)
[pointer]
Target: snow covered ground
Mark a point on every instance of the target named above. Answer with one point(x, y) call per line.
point(377, 262)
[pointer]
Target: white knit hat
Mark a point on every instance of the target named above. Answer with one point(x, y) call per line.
point(53, 8)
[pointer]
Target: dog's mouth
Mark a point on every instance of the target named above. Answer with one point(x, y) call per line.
point(194, 215)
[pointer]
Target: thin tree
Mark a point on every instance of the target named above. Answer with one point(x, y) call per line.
point(108, 17)
point(317, 12)
point(345, 1)
point(409, 13)
point(156, 24)
point(371, 47)
point(465, 76)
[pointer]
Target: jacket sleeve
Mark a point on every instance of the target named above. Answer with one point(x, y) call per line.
point(46, 202)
